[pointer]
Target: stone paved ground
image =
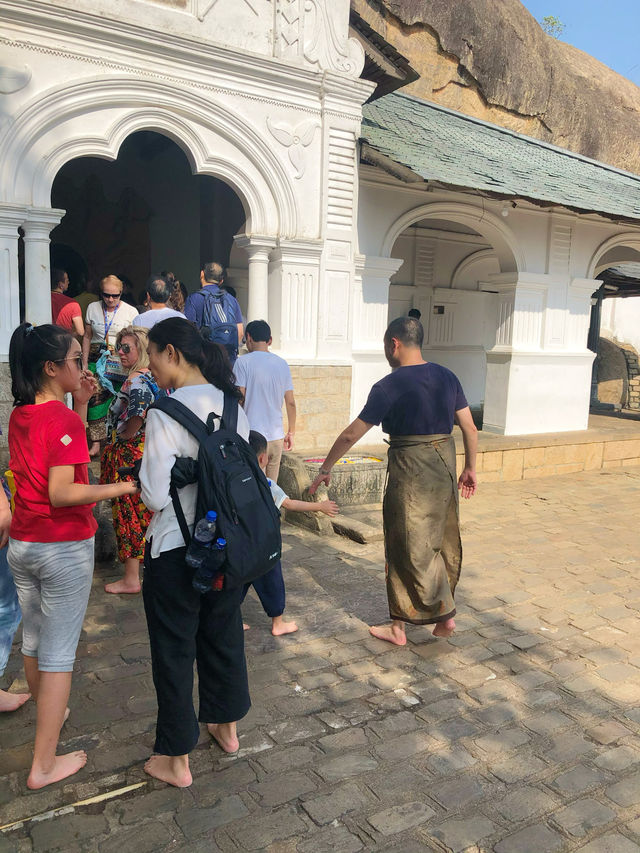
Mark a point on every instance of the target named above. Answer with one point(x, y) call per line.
point(519, 735)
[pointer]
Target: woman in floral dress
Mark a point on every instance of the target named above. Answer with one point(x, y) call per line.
point(125, 431)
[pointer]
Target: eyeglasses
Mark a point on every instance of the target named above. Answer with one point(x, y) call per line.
point(125, 348)
point(110, 295)
point(76, 358)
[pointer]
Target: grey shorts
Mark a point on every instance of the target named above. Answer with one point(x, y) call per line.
point(53, 580)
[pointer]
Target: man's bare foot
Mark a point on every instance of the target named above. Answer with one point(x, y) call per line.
point(391, 633)
point(121, 587)
point(171, 769)
point(94, 450)
point(245, 627)
point(12, 701)
point(63, 766)
point(225, 736)
point(280, 627)
point(444, 629)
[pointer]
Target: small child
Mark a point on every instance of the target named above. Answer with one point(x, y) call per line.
point(270, 587)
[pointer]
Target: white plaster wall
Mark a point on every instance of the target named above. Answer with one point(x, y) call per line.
point(621, 320)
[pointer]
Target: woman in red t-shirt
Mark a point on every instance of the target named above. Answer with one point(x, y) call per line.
point(52, 529)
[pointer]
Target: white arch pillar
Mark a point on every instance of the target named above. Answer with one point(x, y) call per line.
point(11, 218)
point(258, 249)
point(537, 383)
point(37, 273)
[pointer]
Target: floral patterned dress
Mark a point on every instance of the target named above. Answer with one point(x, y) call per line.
point(130, 516)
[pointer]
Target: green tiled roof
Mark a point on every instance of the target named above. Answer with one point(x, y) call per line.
point(445, 146)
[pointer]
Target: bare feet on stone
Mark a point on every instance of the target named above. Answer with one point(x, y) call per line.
point(245, 627)
point(173, 769)
point(12, 701)
point(444, 629)
point(123, 588)
point(225, 736)
point(280, 627)
point(62, 767)
point(393, 633)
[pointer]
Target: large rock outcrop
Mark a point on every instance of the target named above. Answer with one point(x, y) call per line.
point(492, 60)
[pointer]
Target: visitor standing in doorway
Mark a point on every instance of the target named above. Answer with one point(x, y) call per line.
point(215, 311)
point(417, 405)
point(265, 381)
point(159, 291)
point(104, 319)
point(65, 312)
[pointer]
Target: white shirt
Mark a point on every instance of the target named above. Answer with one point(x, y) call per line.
point(266, 377)
point(120, 318)
point(165, 441)
point(154, 315)
point(279, 495)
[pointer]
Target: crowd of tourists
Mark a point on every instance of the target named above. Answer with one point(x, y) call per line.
point(190, 434)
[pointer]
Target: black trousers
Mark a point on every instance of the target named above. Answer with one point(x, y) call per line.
point(185, 626)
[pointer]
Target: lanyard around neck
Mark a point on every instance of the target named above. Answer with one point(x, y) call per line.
point(107, 327)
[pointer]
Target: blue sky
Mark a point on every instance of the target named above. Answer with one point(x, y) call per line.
point(609, 31)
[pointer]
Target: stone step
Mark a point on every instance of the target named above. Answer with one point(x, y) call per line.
point(357, 530)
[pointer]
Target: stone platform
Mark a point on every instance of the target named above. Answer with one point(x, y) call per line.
point(611, 441)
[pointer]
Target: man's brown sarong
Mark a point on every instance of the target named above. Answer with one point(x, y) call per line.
point(421, 528)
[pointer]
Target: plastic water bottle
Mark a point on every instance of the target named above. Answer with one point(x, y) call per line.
point(218, 577)
point(203, 535)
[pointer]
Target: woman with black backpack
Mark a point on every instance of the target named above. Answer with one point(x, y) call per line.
point(185, 625)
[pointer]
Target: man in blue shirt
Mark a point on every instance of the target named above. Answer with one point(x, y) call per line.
point(212, 276)
point(417, 405)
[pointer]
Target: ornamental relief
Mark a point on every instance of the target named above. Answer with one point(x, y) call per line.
point(295, 139)
point(317, 32)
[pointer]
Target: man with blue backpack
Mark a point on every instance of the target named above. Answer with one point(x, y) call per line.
point(215, 311)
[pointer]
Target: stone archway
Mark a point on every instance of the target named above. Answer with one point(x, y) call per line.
point(93, 118)
point(144, 211)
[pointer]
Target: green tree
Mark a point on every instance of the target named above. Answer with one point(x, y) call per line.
point(552, 26)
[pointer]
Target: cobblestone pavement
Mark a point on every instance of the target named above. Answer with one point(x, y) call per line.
point(518, 735)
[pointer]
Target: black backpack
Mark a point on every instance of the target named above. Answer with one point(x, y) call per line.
point(218, 323)
point(230, 482)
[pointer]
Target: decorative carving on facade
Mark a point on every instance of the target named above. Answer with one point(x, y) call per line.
point(342, 179)
point(295, 139)
point(289, 40)
point(205, 6)
point(13, 79)
point(324, 45)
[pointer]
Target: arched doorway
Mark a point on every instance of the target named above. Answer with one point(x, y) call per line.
point(614, 331)
point(449, 272)
point(143, 212)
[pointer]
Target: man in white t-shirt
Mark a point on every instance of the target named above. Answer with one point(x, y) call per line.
point(265, 381)
point(159, 291)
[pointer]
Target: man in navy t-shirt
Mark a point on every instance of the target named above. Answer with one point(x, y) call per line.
point(417, 405)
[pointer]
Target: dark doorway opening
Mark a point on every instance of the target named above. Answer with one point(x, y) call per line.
point(143, 212)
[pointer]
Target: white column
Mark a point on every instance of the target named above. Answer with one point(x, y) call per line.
point(534, 384)
point(294, 281)
point(37, 274)
point(258, 249)
point(11, 218)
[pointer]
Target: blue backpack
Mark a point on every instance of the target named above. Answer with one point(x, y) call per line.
point(218, 320)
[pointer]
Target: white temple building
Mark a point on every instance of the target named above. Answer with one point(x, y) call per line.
point(158, 134)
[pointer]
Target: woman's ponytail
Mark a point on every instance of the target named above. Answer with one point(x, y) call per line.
point(216, 368)
point(31, 347)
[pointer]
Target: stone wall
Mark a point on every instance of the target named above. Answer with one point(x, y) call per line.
point(323, 396)
point(633, 371)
